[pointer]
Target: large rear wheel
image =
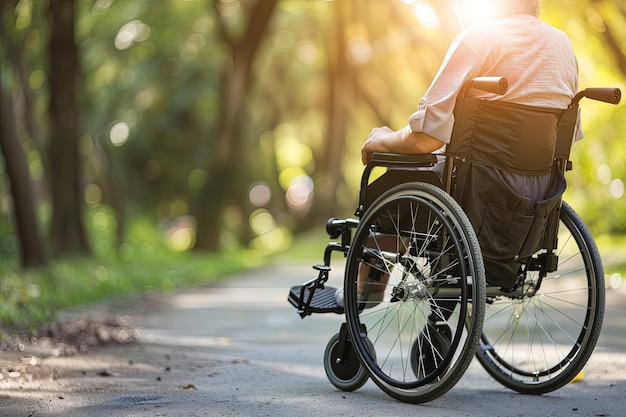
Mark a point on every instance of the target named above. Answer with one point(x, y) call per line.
point(415, 291)
point(539, 341)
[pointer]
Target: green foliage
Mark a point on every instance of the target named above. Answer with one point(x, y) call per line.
point(143, 264)
point(596, 184)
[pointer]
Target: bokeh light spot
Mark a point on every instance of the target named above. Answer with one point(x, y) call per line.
point(36, 79)
point(617, 188)
point(197, 179)
point(131, 32)
point(300, 192)
point(93, 195)
point(102, 273)
point(615, 281)
point(126, 252)
point(260, 194)
point(119, 133)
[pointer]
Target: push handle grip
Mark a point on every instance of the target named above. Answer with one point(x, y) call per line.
point(496, 85)
point(607, 95)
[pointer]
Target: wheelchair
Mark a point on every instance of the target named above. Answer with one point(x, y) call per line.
point(416, 301)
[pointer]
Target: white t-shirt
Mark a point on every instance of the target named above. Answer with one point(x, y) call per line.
point(537, 60)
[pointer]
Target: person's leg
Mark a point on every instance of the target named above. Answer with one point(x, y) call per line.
point(373, 281)
point(377, 281)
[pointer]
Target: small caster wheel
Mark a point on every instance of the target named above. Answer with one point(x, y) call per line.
point(346, 374)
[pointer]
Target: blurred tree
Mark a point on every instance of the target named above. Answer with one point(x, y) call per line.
point(67, 235)
point(24, 205)
point(225, 160)
point(31, 247)
point(341, 97)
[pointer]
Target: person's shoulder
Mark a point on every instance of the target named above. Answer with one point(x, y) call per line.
point(486, 29)
point(478, 33)
point(548, 31)
point(509, 26)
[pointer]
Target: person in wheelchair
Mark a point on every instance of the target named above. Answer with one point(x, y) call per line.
point(542, 72)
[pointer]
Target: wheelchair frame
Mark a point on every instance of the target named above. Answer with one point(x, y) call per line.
point(438, 313)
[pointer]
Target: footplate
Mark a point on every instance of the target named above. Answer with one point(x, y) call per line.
point(323, 300)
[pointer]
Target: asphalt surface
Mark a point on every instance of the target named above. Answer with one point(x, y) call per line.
point(239, 349)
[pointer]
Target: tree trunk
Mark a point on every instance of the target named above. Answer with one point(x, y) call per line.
point(31, 248)
point(67, 234)
point(226, 161)
point(341, 98)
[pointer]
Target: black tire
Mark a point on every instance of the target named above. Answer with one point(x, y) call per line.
point(430, 348)
point(347, 375)
point(437, 277)
point(539, 343)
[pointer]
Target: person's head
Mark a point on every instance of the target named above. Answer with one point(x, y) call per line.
point(472, 11)
point(508, 7)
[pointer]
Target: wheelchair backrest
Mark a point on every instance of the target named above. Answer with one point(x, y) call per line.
point(515, 138)
point(506, 179)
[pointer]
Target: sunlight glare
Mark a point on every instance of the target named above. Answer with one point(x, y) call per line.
point(475, 11)
point(426, 15)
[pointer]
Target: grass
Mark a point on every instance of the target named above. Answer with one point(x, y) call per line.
point(307, 247)
point(30, 298)
point(145, 262)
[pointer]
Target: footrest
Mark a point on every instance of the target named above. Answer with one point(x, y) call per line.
point(323, 300)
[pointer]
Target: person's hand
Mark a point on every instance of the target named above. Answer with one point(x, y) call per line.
point(376, 142)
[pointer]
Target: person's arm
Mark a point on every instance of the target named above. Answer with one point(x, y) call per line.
point(403, 141)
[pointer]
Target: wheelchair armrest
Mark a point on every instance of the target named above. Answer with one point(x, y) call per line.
point(390, 160)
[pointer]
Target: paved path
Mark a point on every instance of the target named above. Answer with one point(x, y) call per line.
point(239, 349)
